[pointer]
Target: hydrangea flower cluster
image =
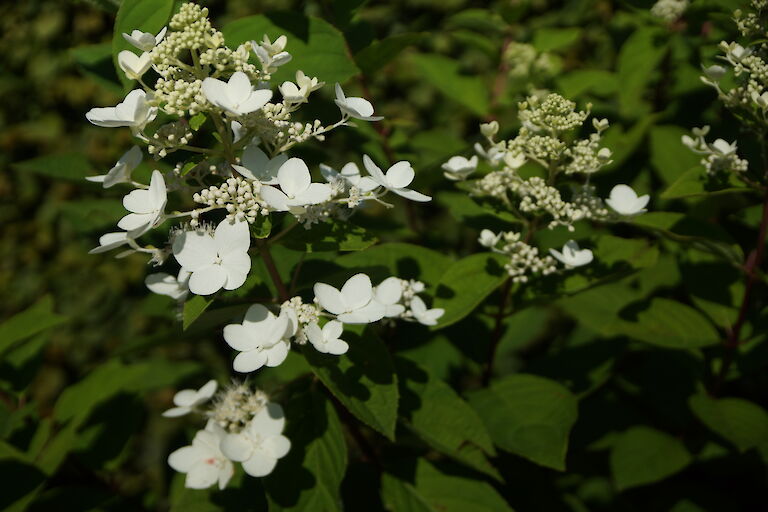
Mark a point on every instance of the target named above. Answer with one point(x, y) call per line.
point(669, 11)
point(719, 157)
point(525, 62)
point(547, 146)
point(202, 90)
point(747, 93)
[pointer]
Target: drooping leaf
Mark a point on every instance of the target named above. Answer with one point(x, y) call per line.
point(433, 490)
point(467, 283)
point(309, 477)
point(363, 380)
point(638, 62)
point(741, 422)
point(379, 53)
point(529, 416)
point(643, 455)
point(29, 322)
point(329, 236)
point(437, 414)
point(95, 61)
point(406, 261)
point(193, 308)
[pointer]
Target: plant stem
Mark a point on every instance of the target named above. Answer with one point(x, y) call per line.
point(282, 291)
point(500, 82)
point(751, 269)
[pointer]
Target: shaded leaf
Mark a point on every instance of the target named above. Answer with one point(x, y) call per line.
point(643, 455)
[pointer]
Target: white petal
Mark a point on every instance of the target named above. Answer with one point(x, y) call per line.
point(277, 353)
point(157, 191)
point(194, 250)
point(241, 338)
point(357, 291)
point(294, 177)
point(400, 175)
point(412, 195)
point(389, 291)
point(239, 87)
point(201, 476)
point(260, 464)
point(275, 198)
point(185, 397)
point(138, 201)
point(175, 412)
point(332, 330)
point(184, 458)
point(247, 362)
point(330, 298)
point(207, 280)
point(269, 421)
point(336, 347)
point(255, 101)
point(316, 193)
point(236, 447)
point(374, 171)
point(232, 237)
point(277, 446)
point(206, 391)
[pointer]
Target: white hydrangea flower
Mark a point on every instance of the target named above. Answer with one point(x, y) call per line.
point(262, 339)
point(261, 443)
point(326, 340)
point(357, 108)
point(271, 55)
point(489, 239)
point(256, 165)
point(134, 112)
point(237, 96)
point(110, 241)
point(121, 172)
point(144, 41)
point(176, 287)
point(299, 92)
point(625, 201)
point(351, 174)
point(388, 293)
point(423, 315)
point(187, 399)
point(203, 461)
point(458, 167)
point(134, 66)
point(353, 304)
point(397, 178)
point(216, 261)
point(572, 255)
point(296, 187)
point(146, 207)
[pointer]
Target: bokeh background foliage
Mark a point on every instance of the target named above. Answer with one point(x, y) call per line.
point(615, 393)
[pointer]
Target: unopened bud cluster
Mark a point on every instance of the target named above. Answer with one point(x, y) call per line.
point(240, 197)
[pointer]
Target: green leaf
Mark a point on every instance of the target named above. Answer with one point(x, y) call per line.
point(66, 166)
point(549, 39)
point(670, 324)
point(95, 61)
point(444, 74)
point(437, 414)
point(598, 82)
point(198, 120)
point(614, 250)
point(262, 226)
point(29, 322)
point(693, 183)
point(529, 416)
point(113, 377)
point(193, 308)
point(317, 447)
point(317, 47)
point(145, 15)
point(89, 215)
point(741, 422)
point(405, 261)
point(432, 490)
point(643, 455)
point(363, 380)
point(638, 62)
point(329, 236)
point(669, 156)
point(467, 283)
point(379, 53)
